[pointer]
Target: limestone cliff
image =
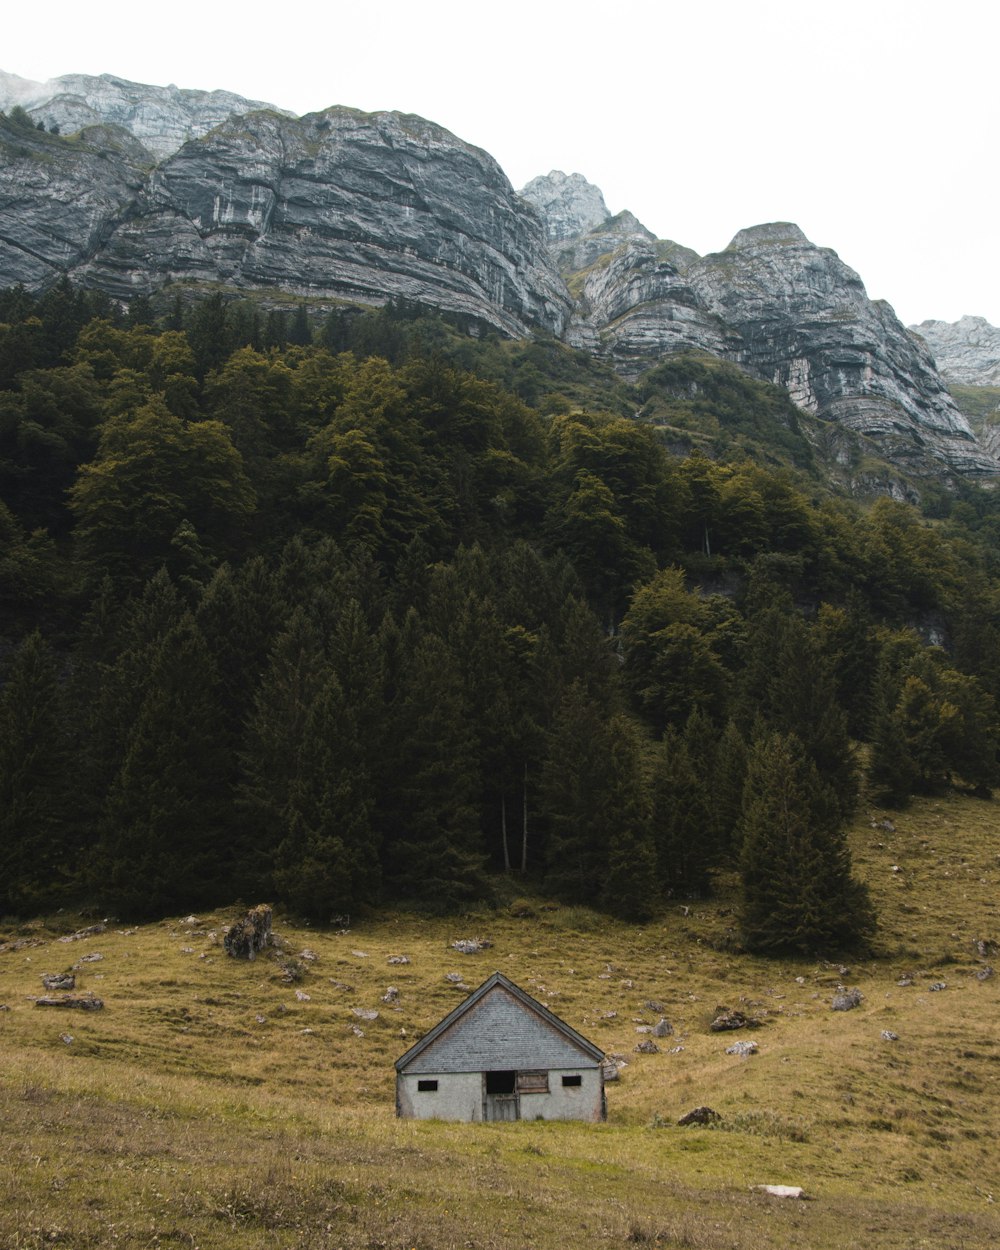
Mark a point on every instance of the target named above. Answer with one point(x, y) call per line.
point(161, 118)
point(210, 190)
point(784, 310)
point(966, 351)
point(339, 205)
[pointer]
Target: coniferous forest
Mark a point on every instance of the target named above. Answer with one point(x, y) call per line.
point(378, 608)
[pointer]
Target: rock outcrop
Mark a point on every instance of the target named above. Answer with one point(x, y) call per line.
point(784, 310)
point(339, 205)
point(966, 351)
point(569, 204)
point(159, 186)
point(806, 323)
point(161, 118)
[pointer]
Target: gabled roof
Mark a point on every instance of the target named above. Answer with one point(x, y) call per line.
point(499, 981)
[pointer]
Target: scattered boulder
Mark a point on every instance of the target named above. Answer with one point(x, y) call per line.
point(365, 1013)
point(728, 1020)
point(936, 986)
point(781, 1191)
point(453, 977)
point(302, 996)
point(309, 956)
point(700, 1115)
point(654, 1005)
point(249, 936)
point(398, 959)
point(889, 1036)
point(21, 944)
point(91, 931)
point(391, 995)
point(360, 954)
point(66, 1038)
point(663, 1028)
point(648, 1047)
point(291, 969)
point(743, 1049)
point(82, 1002)
point(94, 957)
point(59, 980)
point(612, 1067)
point(471, 946)
point(905, 981)
point(984, 974)
point(985, 947)
point(846, 1000)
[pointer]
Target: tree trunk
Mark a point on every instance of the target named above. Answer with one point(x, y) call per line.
point(524, 822)
point(503, 829)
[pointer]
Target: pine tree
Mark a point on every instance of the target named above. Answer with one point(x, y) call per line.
point(36, 800)
point(161, 847)
point(629, 887)
point(273, 745)
point(430, 783)
point(798, 893)
point(327, 863)
point(575, 791)
point(682, 819)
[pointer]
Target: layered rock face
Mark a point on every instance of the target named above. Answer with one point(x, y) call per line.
point(60, 201)
point(806, 323)
point(787, 312)
point(966, 351)
point(205, 188)
point(339, 205)
point(161, 118)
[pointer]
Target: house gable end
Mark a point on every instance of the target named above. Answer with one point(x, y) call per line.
point(499, 1027)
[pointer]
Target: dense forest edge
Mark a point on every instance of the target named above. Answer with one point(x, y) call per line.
point(383, 608)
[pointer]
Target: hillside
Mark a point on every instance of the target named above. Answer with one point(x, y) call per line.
point(210, 1100)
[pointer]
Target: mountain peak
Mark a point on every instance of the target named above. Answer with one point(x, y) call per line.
point(568, 203)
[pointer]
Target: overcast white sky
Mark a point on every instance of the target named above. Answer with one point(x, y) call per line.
point(873, 125)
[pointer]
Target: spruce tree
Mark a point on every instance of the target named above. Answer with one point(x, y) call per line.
point(629, 886)
point(682, 819)
point(327, 863)
point(798, 894)
point(36, 800)
point(161, 847)
point(575, 793)
point(430, 782)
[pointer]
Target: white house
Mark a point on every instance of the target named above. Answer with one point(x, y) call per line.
point(501, 1055)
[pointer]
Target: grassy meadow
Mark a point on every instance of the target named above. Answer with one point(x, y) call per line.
point(215, 1103)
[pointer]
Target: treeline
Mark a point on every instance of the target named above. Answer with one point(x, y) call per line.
point(299, 623)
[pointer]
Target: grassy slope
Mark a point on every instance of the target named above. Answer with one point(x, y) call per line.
point(178, 1117)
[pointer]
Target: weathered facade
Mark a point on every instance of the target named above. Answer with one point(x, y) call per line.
point(501, 1055)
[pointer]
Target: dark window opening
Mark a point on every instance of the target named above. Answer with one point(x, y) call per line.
point(500, 1082)
point(427, 1087)
point(572, 1080)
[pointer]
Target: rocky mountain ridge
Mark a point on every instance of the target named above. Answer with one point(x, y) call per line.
point(207, 189)
point(781, 308)
point(967, 351)
point(161, 118)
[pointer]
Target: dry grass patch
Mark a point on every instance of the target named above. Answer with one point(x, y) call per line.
point(215, 1103)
